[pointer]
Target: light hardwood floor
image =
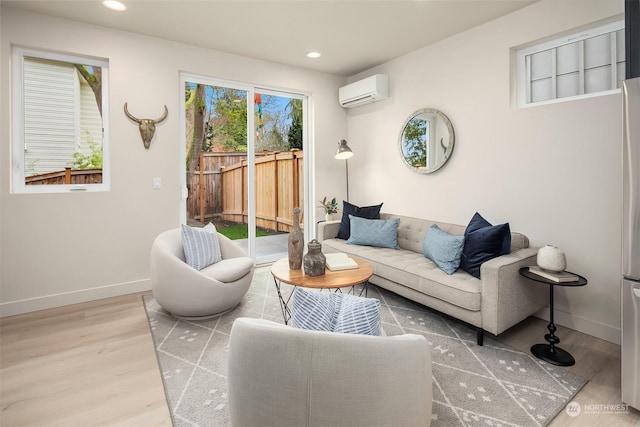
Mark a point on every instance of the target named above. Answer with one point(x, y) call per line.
point(596, 360)
point(94, 364)
point(81, 365)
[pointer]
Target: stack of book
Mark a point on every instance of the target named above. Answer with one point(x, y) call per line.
point(340, 261)
point(559, 276)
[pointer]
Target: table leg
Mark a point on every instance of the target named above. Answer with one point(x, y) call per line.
point(549, 352)
point(284, 304)
point(365, 289)
point(352, 291)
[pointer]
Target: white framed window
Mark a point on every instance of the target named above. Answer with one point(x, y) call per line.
point(588, 63)
point(59, 122)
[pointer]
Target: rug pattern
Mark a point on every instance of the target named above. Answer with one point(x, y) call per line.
point(492, 385)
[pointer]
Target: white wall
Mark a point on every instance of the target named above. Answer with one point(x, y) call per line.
point(553, 172)
point(59, 249)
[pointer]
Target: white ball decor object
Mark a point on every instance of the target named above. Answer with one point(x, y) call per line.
point(551, 258)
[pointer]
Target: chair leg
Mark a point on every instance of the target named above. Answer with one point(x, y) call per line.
point(480, 336)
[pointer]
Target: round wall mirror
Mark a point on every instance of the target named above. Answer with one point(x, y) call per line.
point(426, 140)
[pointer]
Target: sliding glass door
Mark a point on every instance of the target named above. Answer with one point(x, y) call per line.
point(244, 157)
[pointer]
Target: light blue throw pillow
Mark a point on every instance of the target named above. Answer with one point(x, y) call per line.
point(443, 249)
point(201, 246)
point(374, 232)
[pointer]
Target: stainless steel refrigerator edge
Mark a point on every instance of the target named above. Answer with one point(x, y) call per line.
point(630, 288)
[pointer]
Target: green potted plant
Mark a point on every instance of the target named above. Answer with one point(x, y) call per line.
point(329, 206)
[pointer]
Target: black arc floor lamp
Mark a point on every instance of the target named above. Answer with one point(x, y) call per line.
point(344, 153)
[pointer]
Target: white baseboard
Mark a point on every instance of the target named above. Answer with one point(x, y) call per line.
point(67, 298)
point(581, 324)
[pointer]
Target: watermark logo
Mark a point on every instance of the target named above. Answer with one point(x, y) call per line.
point(573, 409)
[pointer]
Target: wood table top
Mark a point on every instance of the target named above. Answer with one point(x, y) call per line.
point(330, 279)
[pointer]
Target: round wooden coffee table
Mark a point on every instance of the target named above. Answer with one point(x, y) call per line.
point(335, 280)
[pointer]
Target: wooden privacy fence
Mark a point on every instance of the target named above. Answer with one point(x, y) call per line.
point(67, 176)
point(205, 185)
point(279, 188)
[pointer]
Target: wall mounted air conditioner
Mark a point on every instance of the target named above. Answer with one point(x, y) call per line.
point(364, 91)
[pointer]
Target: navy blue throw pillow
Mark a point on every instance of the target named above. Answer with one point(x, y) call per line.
point(482, 242)
point(367, 212)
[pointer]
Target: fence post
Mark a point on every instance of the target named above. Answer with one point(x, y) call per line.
point(276, 186)
point(67, 175)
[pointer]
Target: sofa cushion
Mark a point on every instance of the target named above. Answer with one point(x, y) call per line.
point(374, 232)
point(413, 270)
point(443, 249)
point(411, 232)
point(368, 212)
point(201, 246)
point(482, 242)
point(230, 269)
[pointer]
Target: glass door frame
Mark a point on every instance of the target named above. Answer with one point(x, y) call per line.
point(307, 145)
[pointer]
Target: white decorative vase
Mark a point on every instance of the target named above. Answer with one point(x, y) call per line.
point(328, 217)
point(551, 258)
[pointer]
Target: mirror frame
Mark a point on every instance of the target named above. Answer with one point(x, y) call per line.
point(448, 149)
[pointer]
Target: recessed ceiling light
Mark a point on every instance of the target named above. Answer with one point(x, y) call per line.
point(313, 55)
point(114, 5)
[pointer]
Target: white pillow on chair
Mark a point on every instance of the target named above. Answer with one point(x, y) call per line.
point(201, 246)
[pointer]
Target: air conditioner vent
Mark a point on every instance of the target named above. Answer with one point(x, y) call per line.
point(364, 91)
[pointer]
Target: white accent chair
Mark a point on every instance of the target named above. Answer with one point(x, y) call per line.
point(284, 376)
point(198, 294)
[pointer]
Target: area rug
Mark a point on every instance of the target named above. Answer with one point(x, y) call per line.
point(492, 385)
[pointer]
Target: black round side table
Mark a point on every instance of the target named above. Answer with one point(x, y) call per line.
point(549, 352)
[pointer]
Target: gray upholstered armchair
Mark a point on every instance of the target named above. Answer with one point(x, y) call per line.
point(284, 376)
point(189, 293)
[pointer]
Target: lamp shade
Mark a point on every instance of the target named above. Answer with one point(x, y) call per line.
point(344, 152)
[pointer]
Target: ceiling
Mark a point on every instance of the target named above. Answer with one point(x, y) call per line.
point(352, 35)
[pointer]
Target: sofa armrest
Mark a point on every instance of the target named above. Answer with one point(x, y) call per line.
point(327, 230)
point(508, 297)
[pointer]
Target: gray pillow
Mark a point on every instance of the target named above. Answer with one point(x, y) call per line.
point(358, 316)
point(374, 232)
point(443, 249)
point(314, 310)
point(335, 312)
point(201, 246)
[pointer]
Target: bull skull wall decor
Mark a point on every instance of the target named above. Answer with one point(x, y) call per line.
point(147, 126)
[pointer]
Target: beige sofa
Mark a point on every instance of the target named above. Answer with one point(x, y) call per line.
point(494, 303)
